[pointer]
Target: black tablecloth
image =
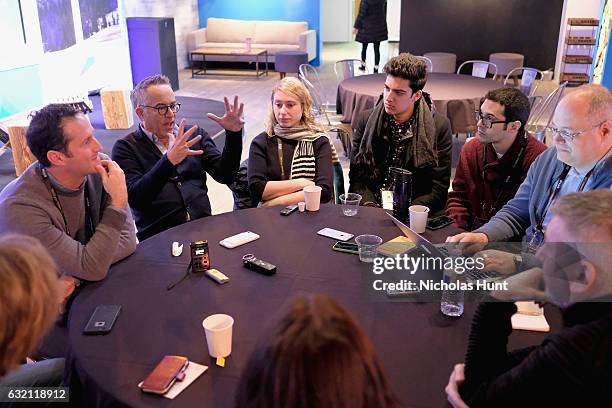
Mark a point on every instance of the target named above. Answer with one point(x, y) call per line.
point(417, 344)
point(361, 93)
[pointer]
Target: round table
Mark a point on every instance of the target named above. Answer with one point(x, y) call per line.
point(414, 341)
point(360, 93)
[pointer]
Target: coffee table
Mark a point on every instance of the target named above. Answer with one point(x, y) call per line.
point(236, 54)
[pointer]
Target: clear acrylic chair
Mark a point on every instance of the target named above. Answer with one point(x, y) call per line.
point(528, 77)
point(310, 78)
point(346, 68)
point(480, 68)
point(542, 113)
point(428, 61)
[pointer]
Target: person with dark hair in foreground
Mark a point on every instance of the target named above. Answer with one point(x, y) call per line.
point(29, 295)
point(402, 131)
point(317, 356)
point(572, 367)
point(493, 165)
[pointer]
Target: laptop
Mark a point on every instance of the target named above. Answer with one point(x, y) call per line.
point(424, 246)
point(421, 243)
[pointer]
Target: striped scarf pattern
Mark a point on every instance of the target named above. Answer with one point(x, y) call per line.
point(303, 164)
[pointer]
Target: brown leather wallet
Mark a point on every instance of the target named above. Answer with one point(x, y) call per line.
point(169, 370)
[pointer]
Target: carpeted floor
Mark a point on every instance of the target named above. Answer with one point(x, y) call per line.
point(194, 111)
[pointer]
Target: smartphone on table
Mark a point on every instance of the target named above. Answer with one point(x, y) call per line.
point(439, 222)
point(348, 247)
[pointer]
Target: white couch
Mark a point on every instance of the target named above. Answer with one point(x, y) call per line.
point(272, 35)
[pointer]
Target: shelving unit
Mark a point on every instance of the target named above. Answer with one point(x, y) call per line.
point(579, 51)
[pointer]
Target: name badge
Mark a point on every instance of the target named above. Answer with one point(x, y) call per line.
point(386, 197)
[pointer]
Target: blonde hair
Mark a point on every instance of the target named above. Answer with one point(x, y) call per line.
point(586, 213)
point(28, 297)
point(293, 87)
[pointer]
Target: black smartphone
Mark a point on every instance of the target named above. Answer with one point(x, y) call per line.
point(102, 319)
point(349, 247)
point(439, 222)
point(289, 209)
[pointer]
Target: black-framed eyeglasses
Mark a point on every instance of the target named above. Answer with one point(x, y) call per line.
point(486, 121)
point(163, 109)
point(569, 134)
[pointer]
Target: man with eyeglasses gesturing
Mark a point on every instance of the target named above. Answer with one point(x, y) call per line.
point(165, 165)
point(493, 165)
point(579, 161)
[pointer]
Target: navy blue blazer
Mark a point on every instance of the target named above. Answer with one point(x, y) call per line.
point(161, 194)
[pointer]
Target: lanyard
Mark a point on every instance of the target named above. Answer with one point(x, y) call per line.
point(554, 192)
point(89, 222)
point(280, 157)
point(505, 185)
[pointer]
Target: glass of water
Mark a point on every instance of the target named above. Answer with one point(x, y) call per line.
point(368, 247)
point(350, 204)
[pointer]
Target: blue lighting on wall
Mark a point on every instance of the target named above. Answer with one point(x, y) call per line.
point(606, 76)
point(287, 10)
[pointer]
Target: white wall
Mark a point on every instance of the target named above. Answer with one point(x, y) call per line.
point(184, 12)
point(575, 9)
point(336, 20)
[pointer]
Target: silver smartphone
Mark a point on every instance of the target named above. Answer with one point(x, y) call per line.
point(335, 234)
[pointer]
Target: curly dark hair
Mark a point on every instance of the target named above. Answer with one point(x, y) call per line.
point(316, 356)
point(515, 103)
point(45, 131)
point(407, 66)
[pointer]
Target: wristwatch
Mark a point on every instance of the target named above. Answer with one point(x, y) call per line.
point(518, 259)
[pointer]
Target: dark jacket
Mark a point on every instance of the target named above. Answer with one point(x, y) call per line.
point(471, 192)
point(161, 194)
point(429, 184)
point(371, 22)
point(571, 368)
point(264, 165)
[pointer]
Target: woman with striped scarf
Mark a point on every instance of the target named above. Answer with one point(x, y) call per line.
point(292, 153)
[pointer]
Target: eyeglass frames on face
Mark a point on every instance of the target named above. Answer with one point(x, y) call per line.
point(568, 134)
point(486, 121)
point(163, 109)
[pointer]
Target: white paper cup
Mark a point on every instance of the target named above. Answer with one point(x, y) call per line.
point(218, 330)
point(418, 217)
point(301, 206)
point(312, 197)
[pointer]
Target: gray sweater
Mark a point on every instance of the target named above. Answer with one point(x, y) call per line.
point(518, 216)
point(26, 207)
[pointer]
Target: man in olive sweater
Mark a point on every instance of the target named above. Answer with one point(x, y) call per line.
point(72, 199)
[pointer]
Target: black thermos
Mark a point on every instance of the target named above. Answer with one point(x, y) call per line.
point(401, 183)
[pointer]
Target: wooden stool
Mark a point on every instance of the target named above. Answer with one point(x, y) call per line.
point(116, 108)
point(22, 157)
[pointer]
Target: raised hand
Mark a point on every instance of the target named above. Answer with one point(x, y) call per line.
point(233, 120)
point(180, 149)
point(113, 181)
